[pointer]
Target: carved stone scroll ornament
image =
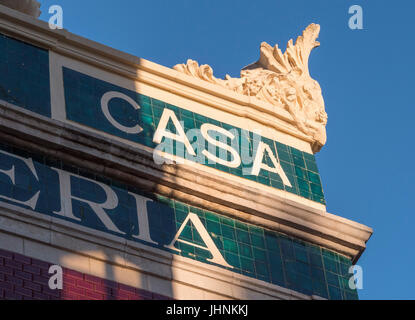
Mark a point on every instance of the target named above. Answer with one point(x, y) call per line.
point(282, 80)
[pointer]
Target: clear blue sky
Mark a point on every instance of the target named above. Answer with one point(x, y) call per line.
point(367, 77)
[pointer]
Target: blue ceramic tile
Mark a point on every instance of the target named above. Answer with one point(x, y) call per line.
point(24, 75)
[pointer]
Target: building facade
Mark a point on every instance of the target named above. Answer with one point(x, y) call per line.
point(145, 182)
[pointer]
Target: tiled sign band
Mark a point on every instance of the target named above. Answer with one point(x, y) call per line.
point(154, 123)
point(53, 188)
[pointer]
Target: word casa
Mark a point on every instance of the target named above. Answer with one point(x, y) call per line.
point(216, 137)
point(33, 185)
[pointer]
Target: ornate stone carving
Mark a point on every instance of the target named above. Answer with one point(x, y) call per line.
point(30, 7)
point(281, 80)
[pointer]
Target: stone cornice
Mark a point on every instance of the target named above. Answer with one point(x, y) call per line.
point(29, 7)
point(135, 166)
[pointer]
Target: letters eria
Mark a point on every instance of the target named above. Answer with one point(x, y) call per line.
point(14, 168)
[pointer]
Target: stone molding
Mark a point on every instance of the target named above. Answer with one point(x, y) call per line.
point(29, 7)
